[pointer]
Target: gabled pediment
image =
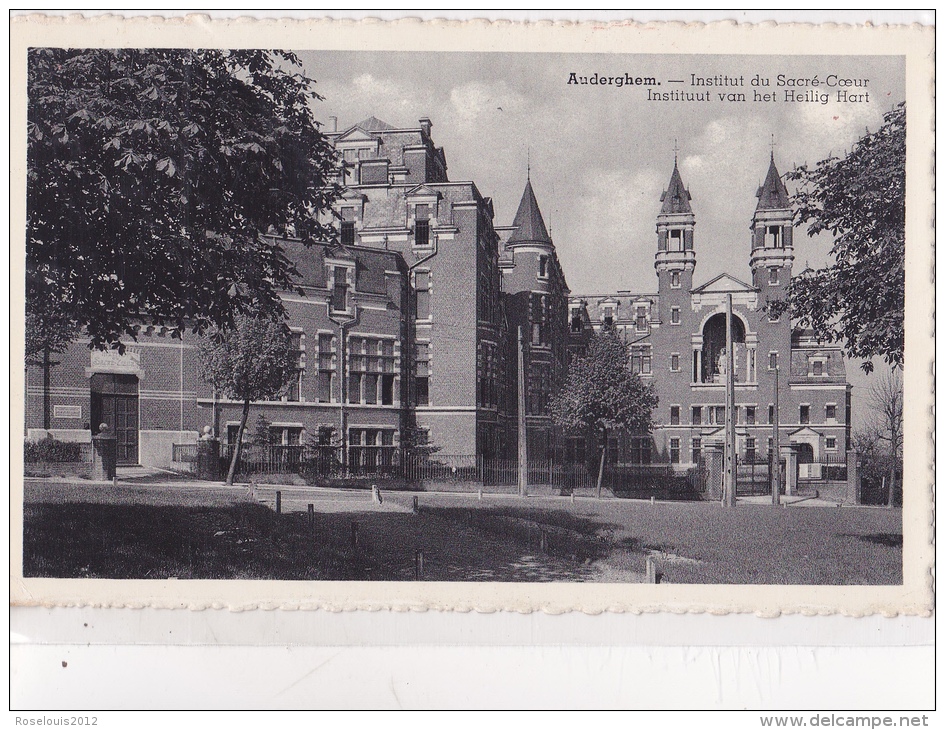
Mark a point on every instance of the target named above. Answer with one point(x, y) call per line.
point(422, 191)
point(724, 284)
point(356, 134)
point(805, 431)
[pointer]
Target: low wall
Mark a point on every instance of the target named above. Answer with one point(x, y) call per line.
point(156, 448)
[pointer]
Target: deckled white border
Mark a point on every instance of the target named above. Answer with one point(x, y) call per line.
point(914, 42)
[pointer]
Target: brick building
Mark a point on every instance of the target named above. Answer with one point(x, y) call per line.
point(677, 340)
point(401, 329)
point(399, 198)
point(348, 333)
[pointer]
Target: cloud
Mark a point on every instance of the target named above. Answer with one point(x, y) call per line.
point(471, 101)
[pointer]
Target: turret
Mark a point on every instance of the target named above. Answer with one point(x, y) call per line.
point(772, 236)
point(675, 256)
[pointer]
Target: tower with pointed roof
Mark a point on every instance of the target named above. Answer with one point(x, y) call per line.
point(772, 236)
point(675, 253)
point(536, 295)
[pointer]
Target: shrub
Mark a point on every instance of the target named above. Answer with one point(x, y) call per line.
point(49, 449)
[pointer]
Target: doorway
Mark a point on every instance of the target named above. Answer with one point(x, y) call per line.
point(114, 402)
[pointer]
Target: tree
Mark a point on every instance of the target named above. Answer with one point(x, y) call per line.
point(151, 175)
point(601, 394)
point(250, 361)
point(860, 200)
point(885, 401)
point(49, 331)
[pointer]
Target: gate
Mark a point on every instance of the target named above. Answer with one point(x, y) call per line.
point(753, 476)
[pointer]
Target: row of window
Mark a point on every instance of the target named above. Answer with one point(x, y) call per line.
point(372, 368)
point(421, 226)
point(715, 415)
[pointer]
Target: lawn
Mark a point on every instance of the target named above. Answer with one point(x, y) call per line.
point(205, 533)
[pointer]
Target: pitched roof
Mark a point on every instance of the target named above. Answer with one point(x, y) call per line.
point(528, 223)
point(772, 195)
point(373, 124)
point(676, 198)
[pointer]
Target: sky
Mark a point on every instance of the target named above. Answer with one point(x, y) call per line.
point(600, 156)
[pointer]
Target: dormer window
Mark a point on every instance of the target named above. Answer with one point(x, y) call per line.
point(347, 233)
point(421, 227)
point(641, 319)
point(347, 226)
point(339, 292)
point(609, 317)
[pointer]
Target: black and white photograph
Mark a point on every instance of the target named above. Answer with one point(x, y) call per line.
point(421, 316)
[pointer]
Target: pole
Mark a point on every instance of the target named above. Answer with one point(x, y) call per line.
point(522, 433)
point(729, 472)
point(775, 456)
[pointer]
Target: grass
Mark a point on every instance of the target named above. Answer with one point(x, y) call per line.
point(150, 532)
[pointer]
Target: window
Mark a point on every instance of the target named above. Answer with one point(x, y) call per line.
point(772, 317)
point(422, 294)
point(536, 333)
point(232, 433)
point(674, 415)
point(830, 411)
point(750, 415)
point(421, 226)
point(423, 374)
point(285, 435)
point(641, 360)
point(831, 443)
point(339, 294)
point(608, 317)
point(805, 414)
point(421, 233)
point(775, 237)
point(543, 267)
point(770, 414)
point(697, 415)
point(371, 380)
point(641, 319)
point(674, 362)
point(674, 280)
point(772, 360)
point(293, 391)
point(696, 450)
point(750, 449)
point(717, 415)
point(347, 233)
point(675, 240)
point(326, 368)
point(817, 368)
point(640, 451)
point(674, 315)
point(773, 275)
point(674, 451)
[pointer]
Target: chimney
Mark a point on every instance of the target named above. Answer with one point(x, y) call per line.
point(332, 124)
point(426, 125)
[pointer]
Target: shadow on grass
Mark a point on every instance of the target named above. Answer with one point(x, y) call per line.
point(244, 541)
point(886, 539)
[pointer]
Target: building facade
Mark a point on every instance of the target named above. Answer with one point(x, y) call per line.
point(677, 339)
point(399, 198)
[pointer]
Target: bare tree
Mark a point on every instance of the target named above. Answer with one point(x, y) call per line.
point(885, 400)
